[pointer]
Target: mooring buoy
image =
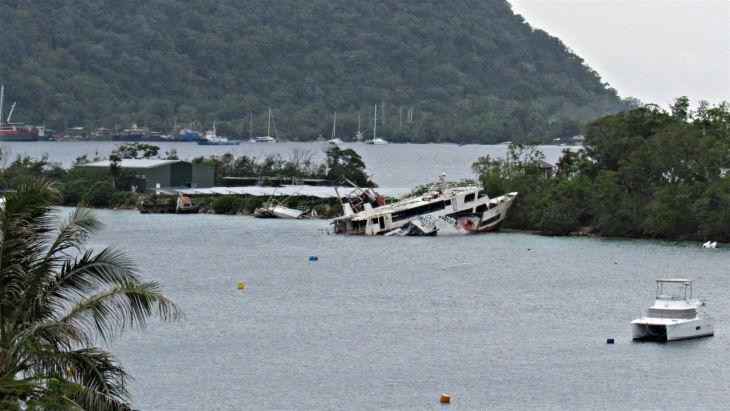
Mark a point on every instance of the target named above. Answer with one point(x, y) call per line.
point(445, 399)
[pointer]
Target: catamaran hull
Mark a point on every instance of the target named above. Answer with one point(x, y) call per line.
point(663, 330)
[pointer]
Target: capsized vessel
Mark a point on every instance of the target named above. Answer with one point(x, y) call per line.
point(675, 314)
point(366, 213)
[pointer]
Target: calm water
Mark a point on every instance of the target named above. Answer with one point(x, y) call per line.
point(499, 321)
point(392, 165)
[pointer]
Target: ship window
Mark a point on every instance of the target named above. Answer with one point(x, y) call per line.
point(374, 221)
point(469, 197)
point(482, 208)
point(426, 208)
point(698, 327)
point(447, 202)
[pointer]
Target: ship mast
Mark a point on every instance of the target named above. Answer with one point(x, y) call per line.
point(2, 96)
point(375, 121)
point(268, 128)
point(334, 127)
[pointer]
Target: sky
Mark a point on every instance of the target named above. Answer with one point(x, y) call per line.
point(653, 50)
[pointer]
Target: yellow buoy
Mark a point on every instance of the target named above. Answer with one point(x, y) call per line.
point(240, 285)
point(445, 399)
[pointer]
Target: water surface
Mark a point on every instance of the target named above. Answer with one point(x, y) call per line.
point(504, 320)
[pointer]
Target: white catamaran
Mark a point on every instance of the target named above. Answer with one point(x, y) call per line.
point(675, 315)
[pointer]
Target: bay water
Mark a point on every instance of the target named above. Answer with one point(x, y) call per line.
point(498, 321)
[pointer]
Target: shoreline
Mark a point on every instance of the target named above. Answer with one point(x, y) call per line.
point(583, 233)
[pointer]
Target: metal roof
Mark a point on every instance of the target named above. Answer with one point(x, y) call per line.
point(131, 163)
point(289, 190)
point(673, 280)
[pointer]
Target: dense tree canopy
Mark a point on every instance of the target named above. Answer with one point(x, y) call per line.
point(643, 173)
point(471, 70)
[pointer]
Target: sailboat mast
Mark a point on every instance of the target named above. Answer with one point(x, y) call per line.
point(250, 130)
point(358, 123)
point(268, 128)
point(375, 121)
point(334, 126)
point(2, 97)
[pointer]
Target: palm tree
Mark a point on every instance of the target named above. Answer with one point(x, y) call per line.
point(57, 299)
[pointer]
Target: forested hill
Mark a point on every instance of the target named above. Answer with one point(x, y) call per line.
point(472, 70)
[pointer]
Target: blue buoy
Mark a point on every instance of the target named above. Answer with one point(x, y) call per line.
point(313, 258)
point(609, 341)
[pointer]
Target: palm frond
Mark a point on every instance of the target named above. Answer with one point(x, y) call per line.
point(24, 221)
point(111, 311)
point(97, 370)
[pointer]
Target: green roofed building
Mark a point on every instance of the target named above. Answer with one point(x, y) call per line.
point(160, 174)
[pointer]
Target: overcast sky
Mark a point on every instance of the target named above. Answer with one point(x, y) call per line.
point(653, 50)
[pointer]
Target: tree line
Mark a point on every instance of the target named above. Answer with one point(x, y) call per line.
point(645, 172)
point(472, 72)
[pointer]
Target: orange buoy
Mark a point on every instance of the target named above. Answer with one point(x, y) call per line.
point(445, 399)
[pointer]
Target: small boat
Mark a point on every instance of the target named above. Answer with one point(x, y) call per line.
point(272, 210)
point(675, 314)
point(212, 139)
point(267, 138)
point(375, 139)
point(710, 244)
point(185, 205)
point(333, 139)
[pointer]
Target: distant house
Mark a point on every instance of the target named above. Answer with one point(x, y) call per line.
point(156, 174)
point(578, 139)
point(546, 168)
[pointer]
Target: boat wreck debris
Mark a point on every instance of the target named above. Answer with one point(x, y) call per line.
point(278, 209)
point(445, 209)
point(274, 210)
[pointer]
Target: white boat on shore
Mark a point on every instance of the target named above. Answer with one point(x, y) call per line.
point(675, 314)
point(271, 210)
point(365, 212)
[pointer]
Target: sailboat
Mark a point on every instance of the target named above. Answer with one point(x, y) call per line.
point(358, 135)
point(267, 138)
point(334, 139)
point(251, 139)
point(376, 139)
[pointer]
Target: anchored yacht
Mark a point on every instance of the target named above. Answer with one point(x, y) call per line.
point(675, 314)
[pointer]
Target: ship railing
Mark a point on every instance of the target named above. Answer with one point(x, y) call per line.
point(670, 315)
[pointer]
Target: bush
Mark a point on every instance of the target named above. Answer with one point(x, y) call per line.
point(124, 199)
point(99, 194)
point(228, 204)
point(559, 220)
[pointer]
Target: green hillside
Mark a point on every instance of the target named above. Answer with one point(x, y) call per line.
point(472, 70)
